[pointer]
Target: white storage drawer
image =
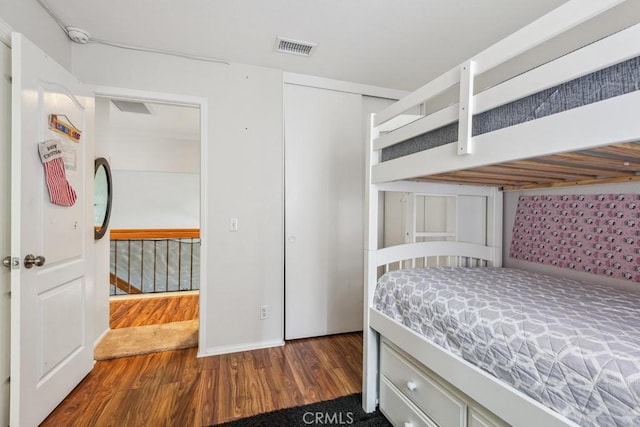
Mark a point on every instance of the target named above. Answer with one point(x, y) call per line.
point(482, 418)
point(398, 410)
point(441, 405)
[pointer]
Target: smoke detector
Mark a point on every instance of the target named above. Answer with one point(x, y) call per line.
point(294, 47)
point(78, 35)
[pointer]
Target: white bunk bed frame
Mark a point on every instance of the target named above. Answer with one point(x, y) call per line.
point(576, 129)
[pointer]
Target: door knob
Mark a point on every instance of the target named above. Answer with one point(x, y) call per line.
point(31, 260)
point(11, 263)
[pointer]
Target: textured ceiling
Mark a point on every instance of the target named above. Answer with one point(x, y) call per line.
point(390, 43)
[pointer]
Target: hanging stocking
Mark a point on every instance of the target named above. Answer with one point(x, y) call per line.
point(60, 191)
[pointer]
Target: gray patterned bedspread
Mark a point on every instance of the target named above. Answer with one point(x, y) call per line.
point(573, 346)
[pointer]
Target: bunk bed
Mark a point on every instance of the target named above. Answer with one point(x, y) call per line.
point(420, 363)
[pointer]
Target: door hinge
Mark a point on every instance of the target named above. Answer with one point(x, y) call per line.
point(11, 263)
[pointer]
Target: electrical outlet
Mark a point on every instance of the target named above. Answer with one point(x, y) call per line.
point(264, 312)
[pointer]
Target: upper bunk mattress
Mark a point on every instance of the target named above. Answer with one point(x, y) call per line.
point(573, 346)
point(616, 80)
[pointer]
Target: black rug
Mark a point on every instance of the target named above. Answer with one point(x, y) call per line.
point(343, 411)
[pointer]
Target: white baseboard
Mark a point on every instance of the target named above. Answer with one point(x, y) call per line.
point(214, 351)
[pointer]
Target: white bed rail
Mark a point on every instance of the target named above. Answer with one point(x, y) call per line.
point(601, 54)
point(418, 254)
point(561, 19)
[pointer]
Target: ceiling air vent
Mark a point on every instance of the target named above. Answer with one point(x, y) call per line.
point(294, 47)
point(131, 106)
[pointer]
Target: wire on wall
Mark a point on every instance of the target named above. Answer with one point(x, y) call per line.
point(89, 39)
point(162, 52)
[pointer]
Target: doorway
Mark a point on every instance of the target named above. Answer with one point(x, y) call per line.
point(153, 248)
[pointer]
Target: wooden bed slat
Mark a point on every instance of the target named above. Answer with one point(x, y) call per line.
point(610, 164)
point(488, 176)
point(532, 172)
point(595, 162)
point(474, 181)
point(630, 150)
point(536, 167)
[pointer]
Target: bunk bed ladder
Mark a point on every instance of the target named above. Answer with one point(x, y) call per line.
point(465, 109)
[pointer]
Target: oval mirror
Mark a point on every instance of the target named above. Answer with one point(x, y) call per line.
point(102, 193)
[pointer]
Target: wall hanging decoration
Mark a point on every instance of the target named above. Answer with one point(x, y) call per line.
point(596, 233)
point(60, 191)
point(64, 128)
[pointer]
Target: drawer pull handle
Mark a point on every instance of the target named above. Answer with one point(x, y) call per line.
point(411, 386)
point(408, 424)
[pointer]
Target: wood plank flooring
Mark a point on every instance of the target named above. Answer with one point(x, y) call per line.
point(176, 388)
point(153, 310)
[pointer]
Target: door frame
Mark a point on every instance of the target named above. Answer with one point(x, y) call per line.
point(202, 104)
point(5, 352)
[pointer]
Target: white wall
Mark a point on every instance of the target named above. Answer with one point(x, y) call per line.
point(144, 199)
point(28, 18)
point(510, 205)
point(244, 180)
point(156, 171)
point(153, 153)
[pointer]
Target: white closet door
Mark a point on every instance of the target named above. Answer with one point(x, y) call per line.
point(324, 179)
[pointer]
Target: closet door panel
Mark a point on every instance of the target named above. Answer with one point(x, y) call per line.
point(324, 172)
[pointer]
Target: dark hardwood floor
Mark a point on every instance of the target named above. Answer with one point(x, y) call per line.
point(175, 388)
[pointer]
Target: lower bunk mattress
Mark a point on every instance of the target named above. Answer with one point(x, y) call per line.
point(571, 345)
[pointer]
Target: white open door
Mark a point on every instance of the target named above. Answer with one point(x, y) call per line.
point(51, 345)
point(5, 226)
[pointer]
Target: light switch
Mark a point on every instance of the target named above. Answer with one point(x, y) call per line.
point(233, 224)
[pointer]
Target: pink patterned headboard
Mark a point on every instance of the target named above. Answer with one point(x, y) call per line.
point(598, 234)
